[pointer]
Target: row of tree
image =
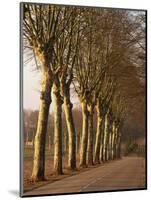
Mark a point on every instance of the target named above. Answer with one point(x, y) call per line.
point(86, 49)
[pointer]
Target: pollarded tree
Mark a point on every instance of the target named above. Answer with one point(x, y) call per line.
point(35, 35)
point(86, 68)
point(119, 112)
point(41, 29)
point(65, 52)
point(109, 34)
point(104, 102)
point(117, 27)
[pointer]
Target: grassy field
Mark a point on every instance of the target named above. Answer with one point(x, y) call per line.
point(29, 151)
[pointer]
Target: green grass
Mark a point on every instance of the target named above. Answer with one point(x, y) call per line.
point(29, 151)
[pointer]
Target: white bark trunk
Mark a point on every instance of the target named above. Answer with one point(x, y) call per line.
point(57, 129)
point(105, 137)
point(98, 136)
point(101, 142)
point(90, 136)
point(84, 139)
point(71, 133)
point(113, 140)
point(40, 137)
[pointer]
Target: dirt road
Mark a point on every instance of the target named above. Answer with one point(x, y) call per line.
point(127, 173)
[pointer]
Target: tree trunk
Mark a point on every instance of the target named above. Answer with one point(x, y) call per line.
point(105, 138)
point(107, 145)
point(77, 143)
point(115, 143)
point(90, 136)
point(84, 139)
point(65, 143)
point(71, 132)
point(49, 144)
point(57, 128)
point(101, 153)
point(101, 142)
point(107, 152)
point(108, 141)
point(118, 146)
point(40, 137)
point(110, 145)
point(98, 136)
point(78, 139)
point(113, 140)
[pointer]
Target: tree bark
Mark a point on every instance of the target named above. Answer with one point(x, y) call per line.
point(107, 146)
point(84, 139)
point(40, 137)
point(77, 143)
point(115, 143)
point(71, 132)
point(105, 138)
point(108, 141)
point(57, 128)
point(98, 136)
point(101, 142)
point(110, 145)
point(90, 136)
point(65, 143)
point(118, 146)
point(113, 140)
point(78, 139)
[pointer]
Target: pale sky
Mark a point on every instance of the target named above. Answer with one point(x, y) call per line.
point(31, 88)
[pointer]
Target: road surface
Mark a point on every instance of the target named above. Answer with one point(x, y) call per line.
point(127, 173)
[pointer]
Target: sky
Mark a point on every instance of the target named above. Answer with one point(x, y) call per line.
point(31, 88)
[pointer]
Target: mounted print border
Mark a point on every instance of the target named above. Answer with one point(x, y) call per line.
point(83, 99)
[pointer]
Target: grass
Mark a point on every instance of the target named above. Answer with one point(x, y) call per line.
point(29, 151)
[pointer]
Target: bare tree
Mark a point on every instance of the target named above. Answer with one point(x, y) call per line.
point(100, 53)
point(87, 66)
point(65, 51)
point(41, 29)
